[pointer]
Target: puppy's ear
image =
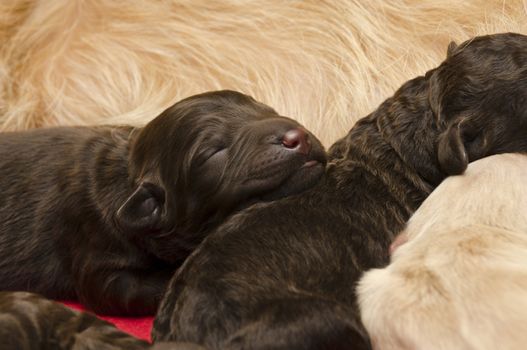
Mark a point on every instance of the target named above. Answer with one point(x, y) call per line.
point(450, 50)
point(143, 210)
point(451, 152)
point(459, 145)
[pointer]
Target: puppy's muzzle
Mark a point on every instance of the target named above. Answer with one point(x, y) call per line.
point(297, 140)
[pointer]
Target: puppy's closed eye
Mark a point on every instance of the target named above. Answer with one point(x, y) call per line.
point(212, 152)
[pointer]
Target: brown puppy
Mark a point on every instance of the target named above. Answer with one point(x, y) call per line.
point(281, 275)
point(31, 322)
point(460, 281)
point(106, 214)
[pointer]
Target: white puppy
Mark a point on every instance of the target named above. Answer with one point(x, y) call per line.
point(460, 280)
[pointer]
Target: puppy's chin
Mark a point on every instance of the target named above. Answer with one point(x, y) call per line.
point(305, 177)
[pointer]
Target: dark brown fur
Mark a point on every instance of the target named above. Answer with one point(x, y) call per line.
point(281, 275)
point(106, 214)
point(30, 322)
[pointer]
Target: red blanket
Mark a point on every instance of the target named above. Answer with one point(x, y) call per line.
point(139, 327)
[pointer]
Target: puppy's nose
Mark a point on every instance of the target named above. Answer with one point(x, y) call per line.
point(297, 140)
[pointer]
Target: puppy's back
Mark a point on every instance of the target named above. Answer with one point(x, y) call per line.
point(492, 191)
point(46, 184)
point(461, 280)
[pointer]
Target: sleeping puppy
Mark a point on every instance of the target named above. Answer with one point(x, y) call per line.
point(106, 214)
point(281, 275)
point(460, 282)
point(31, 322)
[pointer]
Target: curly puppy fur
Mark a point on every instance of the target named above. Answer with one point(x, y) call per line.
point(30, 322)
point(460, 282)
point(281, 275)
point(106, 214)
point(324, 63)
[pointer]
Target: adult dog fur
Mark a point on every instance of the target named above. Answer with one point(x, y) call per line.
point(460, 282)
point(325, 63)
point(281, 275)
point(106, 214)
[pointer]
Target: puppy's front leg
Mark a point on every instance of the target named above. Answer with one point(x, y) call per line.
point(132, 292)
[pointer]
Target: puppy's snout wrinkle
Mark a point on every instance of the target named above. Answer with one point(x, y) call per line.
point(297, 140)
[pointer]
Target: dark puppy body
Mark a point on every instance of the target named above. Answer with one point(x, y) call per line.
point(30, 322)
point(106, 214)
point(282, 275)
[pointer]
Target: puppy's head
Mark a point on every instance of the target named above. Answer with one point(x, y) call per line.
point(479, 97)
point(210, 154)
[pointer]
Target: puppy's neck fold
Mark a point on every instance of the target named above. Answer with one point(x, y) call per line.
point(396, 144)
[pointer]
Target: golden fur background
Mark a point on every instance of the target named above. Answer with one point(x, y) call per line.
point(325, 63)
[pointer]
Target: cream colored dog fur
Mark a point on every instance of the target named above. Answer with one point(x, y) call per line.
point(325, 63)
point(460, 282)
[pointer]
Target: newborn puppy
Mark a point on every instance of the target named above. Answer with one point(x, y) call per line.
point(30, 322)
point(460, 282)
point(106, 214)
point(281, 275)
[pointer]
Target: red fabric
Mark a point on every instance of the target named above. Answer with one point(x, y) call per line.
point(139, 327)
